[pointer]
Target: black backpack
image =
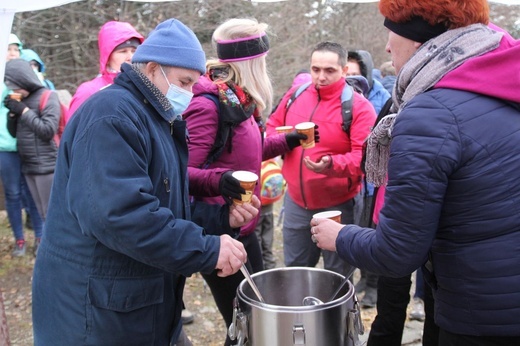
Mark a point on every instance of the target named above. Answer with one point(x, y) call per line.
point(224, 132)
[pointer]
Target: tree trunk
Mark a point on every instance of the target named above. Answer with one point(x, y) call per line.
point(4, 333)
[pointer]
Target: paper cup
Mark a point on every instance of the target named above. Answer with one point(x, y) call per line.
point(284, 129)
point(334, 215)
point(306, 128)
point(16, 96)
point(248, 182)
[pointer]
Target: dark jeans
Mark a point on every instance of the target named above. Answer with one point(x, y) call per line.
point(265, 233)
point(224, 289)
point(17, 195)
point(450, 339)
point(393, 296)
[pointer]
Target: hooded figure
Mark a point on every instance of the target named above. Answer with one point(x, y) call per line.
point(34, 129)
point(38, 66)
point(448, 155)
point(114, 37)
point(14, 48)
point(377, 94)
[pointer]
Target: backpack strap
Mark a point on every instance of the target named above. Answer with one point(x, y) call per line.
point(293, 97)
point(347, 96)
point(218, 145)
point(297, 93)
point(44, 98)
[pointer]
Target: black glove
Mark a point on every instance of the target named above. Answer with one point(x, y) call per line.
point(15, 107)
point(316, 134)
point(230, 187)
point(293, 138)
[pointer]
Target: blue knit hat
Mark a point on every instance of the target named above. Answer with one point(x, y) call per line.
point(172, 43)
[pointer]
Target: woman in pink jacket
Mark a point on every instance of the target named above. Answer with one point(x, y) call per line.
point(117, 42)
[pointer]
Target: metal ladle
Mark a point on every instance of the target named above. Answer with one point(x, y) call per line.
point(249, 279)
point(310, 300)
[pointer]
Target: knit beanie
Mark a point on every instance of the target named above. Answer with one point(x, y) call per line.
point(132, 42)
point(172, 43)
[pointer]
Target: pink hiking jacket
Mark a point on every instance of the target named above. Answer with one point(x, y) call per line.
point(110, 36)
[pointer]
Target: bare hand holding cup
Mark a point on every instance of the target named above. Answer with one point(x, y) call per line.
point(242, 214)
point(324, 231)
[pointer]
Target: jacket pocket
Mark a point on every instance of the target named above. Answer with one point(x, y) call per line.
point(123, 309)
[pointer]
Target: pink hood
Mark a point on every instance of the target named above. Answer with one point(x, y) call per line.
point(495, 74)
point(110, 36)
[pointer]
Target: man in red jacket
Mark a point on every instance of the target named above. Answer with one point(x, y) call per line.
point(327, 176)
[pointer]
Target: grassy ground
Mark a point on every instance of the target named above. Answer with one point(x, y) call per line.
point(208, 328)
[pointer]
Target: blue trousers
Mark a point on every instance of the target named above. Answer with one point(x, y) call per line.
point(17, 195)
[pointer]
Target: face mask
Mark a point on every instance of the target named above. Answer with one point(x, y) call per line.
point(178, 97)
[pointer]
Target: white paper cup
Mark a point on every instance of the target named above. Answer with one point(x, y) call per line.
point(334, 215)
point(248, 181)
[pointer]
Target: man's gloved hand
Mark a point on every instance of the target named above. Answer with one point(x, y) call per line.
point(15, 107)
point(293, 138)
point(230, 187)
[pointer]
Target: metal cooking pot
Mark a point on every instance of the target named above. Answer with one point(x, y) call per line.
point(283, 321)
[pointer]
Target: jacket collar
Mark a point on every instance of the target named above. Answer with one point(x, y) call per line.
point(331, 91)
point(150, 93)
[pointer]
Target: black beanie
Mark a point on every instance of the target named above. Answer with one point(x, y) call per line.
point(133, 42)
point(416, 29)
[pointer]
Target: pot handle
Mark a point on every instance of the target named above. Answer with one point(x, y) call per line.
point(238, 327)
point(355, 324)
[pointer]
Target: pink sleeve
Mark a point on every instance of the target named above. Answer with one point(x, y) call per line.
point(380, 199)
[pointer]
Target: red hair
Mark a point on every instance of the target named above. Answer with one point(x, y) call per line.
point(452, 13)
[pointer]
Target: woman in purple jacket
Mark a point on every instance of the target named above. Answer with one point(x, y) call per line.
point(238, 79)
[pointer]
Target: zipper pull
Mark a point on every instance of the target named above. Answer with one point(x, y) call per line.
point(171, 128)
point(167, 184)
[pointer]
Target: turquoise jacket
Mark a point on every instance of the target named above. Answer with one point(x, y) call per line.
point(7, 142)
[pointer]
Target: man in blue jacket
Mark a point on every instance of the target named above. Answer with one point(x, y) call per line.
point(118, 243)
point(449, 158)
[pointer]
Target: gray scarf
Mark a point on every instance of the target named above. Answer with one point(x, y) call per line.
point(426, 67)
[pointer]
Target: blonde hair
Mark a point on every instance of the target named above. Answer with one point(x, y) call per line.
point(251, 75)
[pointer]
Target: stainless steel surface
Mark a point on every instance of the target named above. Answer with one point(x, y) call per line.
point(249, 279)
point(310, 300)
point(283, 321)
point(342, 285)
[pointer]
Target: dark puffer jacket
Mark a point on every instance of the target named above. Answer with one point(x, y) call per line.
point(35, 129)
point(453, 192)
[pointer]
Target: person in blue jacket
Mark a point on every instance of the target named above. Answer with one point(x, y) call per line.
point(118, 242)
point(450, 153)
point(38, 66)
